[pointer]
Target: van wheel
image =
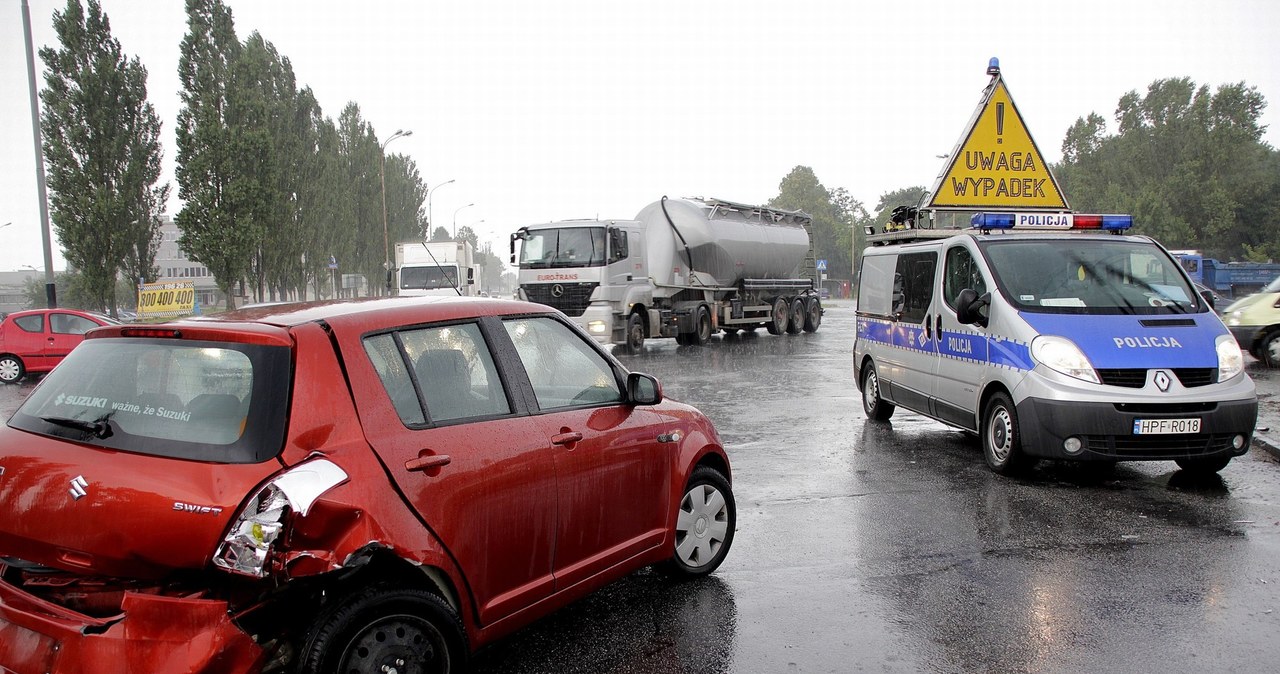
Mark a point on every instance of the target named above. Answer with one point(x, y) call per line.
point(778, 321)
point(873, 405)
point(635, 334)
point(812, 314)
point(795, 322)
point(1001, 439)
point(1270, 349)
point(705, 522)
point(1203, 466)
point(385, 629)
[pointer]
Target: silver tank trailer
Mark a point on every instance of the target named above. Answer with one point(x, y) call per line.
point(728, 241)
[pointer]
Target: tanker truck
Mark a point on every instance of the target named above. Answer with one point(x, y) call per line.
point(682, 268)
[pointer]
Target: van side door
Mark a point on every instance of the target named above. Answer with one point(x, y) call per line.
point(961, 367)
point(910, 364)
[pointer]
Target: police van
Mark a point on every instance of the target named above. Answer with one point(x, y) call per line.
point(1087, 344)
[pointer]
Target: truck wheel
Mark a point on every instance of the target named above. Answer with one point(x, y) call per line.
point(1203, 466)
point(1001, 439)
point(778, 321)
point(386, 629)
point(635, 334)
point(812, 314)
point(795, 322)
point(701, 326)
point(872, 404)
point(1270, 349)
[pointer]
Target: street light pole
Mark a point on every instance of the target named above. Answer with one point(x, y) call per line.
point(455, 221)
point(386, 241)
point(430, 219)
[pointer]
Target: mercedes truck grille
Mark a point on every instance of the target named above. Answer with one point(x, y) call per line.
point(570, 298)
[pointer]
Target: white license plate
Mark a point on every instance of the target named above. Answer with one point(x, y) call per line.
point(1165, 426)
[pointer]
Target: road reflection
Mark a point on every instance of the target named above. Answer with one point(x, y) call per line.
point(642, 623)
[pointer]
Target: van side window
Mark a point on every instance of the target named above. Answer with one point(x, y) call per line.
point(961, 272)
point(916, 272)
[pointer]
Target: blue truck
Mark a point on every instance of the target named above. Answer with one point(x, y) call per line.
point(1229, 279)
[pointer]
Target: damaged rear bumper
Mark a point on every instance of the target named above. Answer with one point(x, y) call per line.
point(151, 633)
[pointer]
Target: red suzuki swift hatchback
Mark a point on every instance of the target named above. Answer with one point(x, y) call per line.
point(368, 486)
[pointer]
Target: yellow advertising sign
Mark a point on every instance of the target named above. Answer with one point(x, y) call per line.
point(997, 164)
point(166, 300)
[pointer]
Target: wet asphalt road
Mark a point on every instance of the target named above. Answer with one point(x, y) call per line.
point(891, 547)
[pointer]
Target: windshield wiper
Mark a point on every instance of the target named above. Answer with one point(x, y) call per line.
point(100, 428)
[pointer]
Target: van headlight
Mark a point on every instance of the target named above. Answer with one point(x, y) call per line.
point(1062, 355)
point(247, 547)
point(1230, 358)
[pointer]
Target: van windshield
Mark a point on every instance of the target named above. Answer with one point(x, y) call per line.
point(428, 277)
point(1083, 276)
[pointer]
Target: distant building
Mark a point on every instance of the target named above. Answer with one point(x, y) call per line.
point(13, 284)
point(176, 266)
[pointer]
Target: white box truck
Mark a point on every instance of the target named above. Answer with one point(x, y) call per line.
point(682, 268)
point(435, 268)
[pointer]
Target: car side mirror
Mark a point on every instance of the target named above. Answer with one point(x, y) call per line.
point(969, 307)
point(643, 389)
point(1208, 298)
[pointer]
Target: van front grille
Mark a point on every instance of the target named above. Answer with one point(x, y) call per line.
point(1133, 377)
point(1157, 446)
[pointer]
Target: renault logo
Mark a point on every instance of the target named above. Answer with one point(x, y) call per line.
point(79, 487)
point(1162, 380)
point(557, 290)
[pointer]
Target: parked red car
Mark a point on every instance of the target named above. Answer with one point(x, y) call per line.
point(368, 486)
point(37, 340)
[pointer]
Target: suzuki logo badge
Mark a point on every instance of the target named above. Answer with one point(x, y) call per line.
point(557, 290)
point(79, 487)
point(1162, 380)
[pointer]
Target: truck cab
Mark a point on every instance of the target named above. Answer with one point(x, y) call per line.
point(588, 269)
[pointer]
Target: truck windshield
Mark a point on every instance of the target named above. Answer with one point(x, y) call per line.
point(566, 247)
point(428, 278)
point(1078, 276)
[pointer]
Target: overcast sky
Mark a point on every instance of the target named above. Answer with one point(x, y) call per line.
point(551, 110)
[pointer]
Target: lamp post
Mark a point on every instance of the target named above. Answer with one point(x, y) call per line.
point(430, 219)
point(386, 241)
point(455, 220)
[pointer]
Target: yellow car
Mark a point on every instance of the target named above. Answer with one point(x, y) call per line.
point(1255, 322)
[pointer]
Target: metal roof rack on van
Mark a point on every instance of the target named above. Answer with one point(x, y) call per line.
point(903, 224)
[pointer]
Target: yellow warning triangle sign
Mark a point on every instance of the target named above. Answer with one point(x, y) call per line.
point(996, 164)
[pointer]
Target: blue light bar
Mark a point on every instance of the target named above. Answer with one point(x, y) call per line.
point(1117, 223)
point(991, 221)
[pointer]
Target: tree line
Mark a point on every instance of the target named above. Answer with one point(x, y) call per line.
point(272, 187)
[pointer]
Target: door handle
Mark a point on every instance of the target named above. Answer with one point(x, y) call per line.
point(928, 327)
point(567, 438)
point(938, 330)
point(426, 462)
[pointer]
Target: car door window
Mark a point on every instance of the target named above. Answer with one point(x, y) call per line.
point(913, 285)
point(962, 272)
point(563, 369)
point(70, 324)
point(32, 323)
point(453, 369)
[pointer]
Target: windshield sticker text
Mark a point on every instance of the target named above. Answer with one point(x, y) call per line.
point(82, 401)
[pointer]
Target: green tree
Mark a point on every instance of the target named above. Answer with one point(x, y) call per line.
point(833, 214)
point(440, 234)
point(218, 218)
point(361, 158)
point(102, 146)
point(1188, 163)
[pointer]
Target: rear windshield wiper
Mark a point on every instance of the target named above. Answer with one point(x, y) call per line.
point(100, 428)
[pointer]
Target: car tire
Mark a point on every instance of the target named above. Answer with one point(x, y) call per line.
point(11, 369)
point(1269, 349)
point(383, 629)
point(634, 335)
point(1001, 437)
point(705, 521)
point(812, 314)
point(1203, 466)
point(778, 320)
point(873, 405)
point(795, 322)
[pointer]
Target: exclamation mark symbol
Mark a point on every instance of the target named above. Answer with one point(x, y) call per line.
point(999, 123)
